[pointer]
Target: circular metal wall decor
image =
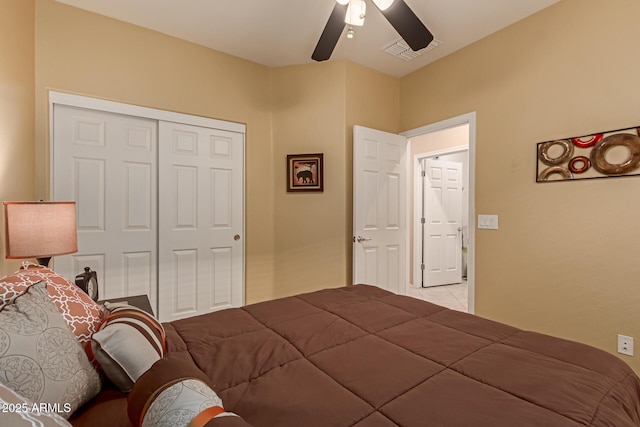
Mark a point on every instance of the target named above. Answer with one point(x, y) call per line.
point(554, 170)
point(587, 141)
point(567, 152)
point(579, 164)
point(585, 157)
point(632, 142)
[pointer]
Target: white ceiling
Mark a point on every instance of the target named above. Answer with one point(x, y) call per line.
point(285, 32)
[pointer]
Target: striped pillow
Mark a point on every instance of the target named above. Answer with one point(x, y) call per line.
point(127, 343)
point(174, 393)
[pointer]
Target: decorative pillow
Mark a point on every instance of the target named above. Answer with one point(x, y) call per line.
point(16, 411)
point(82, 314)
point(127, 343)
point(40, 358)
point(173, 393)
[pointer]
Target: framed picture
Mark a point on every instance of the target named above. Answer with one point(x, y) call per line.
point(607, 154)
point(305, 172)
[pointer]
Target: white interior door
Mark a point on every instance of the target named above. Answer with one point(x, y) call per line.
point(442, 233)
point(201, 247)
point(107, 163)
point(379, 209)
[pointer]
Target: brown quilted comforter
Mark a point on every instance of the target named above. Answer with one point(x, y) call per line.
point(363, 357)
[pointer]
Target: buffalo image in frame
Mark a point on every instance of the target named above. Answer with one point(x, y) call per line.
point(305, 172)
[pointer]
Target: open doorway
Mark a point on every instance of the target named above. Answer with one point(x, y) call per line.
point(442, 212)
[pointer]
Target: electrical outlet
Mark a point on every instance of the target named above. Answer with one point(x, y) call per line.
point(625, 345)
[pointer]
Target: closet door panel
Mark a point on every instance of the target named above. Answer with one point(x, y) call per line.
point(221, 264)
point(200, 214)
point(89, 182)
point(184, 196)
point(138, 196)
point(139, 270)
point(107, 163)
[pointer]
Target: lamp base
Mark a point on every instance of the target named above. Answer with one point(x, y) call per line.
point(44, 261)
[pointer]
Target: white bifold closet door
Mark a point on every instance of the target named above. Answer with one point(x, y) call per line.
point(200, 220)
point(107, 163)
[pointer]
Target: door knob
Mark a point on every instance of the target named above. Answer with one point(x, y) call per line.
point(236, 237)
point(363, 239)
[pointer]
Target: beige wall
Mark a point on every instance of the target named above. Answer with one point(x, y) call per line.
point(314, 109)
point(17, 32)
point(439, 140)
point(88, 54)
point(565, 259)
point(308, 117)
point(288, 110)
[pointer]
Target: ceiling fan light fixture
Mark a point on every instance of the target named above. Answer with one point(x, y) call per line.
point(356, 11)
point(383, 4)
point(352, 12)
point(350, 33)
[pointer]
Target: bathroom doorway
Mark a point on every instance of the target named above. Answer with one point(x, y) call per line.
point(442, 186)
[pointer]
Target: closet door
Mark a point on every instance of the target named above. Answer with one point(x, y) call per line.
point(107, 163)
point(201, 224)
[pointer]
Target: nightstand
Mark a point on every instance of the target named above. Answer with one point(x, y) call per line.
point(140, 301)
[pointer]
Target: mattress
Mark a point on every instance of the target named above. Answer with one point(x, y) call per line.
point(364, 357)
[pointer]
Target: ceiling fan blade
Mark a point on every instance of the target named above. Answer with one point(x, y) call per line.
point(408, 25)
point(331, 33)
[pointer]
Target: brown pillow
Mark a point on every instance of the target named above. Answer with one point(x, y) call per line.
point(40, 358)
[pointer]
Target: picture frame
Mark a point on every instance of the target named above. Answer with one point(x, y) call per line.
point(591, 156)
point(305, 172)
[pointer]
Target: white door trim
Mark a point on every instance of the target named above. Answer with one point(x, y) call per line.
point(138, 111)
point(470, 119)
point(417, 194)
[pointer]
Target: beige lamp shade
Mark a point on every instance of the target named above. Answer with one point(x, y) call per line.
point(39, 229)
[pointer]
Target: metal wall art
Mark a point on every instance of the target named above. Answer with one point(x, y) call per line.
point(305, 172)
point(601, 155)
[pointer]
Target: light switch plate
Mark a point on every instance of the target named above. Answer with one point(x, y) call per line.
point(488, 222)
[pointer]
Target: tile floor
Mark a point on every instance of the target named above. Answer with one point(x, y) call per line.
point(450, 296)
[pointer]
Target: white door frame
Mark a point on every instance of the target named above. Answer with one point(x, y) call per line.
point(418, 195)
point(137, 111)
point(470, 119)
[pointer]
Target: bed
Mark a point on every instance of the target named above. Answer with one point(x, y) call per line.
point(363, 357)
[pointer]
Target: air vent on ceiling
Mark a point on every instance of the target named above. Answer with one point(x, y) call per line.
point(399, 48)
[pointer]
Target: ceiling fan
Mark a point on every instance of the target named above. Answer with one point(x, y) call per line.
point(353, 12)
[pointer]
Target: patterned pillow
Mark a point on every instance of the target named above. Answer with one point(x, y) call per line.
point(82, 314)
point(127, 343)
point(40, 358)
point(16, 411)
point(173, 393)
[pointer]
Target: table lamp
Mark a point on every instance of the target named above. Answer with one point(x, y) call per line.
point(39, 230)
